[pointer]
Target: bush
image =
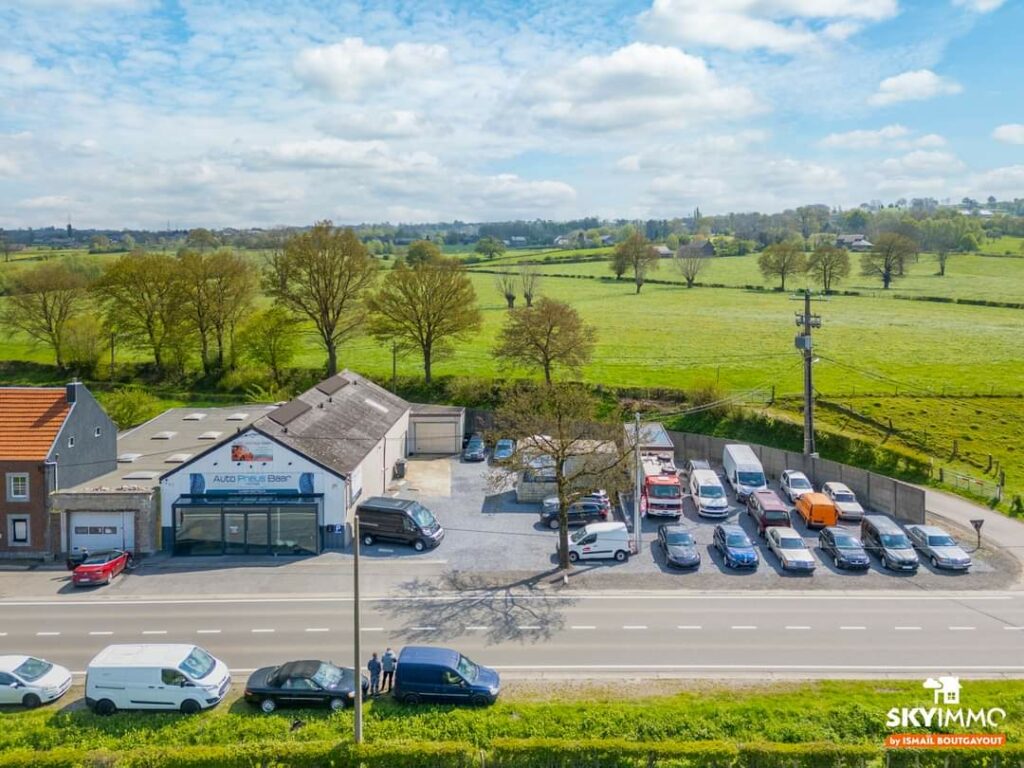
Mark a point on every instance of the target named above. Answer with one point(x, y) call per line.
point(129, 406)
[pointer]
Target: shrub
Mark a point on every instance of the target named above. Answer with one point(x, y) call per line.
point(129, 406)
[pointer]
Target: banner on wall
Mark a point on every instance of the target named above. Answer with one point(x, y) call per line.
point(252, 448)
point(251, 482)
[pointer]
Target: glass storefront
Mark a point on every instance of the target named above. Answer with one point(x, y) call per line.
point(218, 527)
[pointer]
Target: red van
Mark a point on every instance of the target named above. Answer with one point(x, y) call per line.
point(765, 509)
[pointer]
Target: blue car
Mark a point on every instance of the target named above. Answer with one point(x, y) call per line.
point(503, 450)
point(735, 546)
point(476, 449)
point(426, 673)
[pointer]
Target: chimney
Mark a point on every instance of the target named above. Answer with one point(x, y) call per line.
point(72, 391)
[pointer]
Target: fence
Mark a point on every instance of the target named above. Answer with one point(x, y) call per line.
point(903, 501)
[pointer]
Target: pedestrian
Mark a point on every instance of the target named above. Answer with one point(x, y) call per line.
point(388, 662)
point(374, 668)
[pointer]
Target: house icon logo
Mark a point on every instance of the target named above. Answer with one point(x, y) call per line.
point(946, 688)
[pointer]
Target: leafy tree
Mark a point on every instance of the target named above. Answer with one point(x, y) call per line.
point(42, 302)
point(672, 242)
point(549, 335)
point(529, 278)
point(506, 285)
point(887, 258)
point(270, 338)
point(129, 406)
point(828, 265)
point(422, 251)
point(782, 260)
point(5, 246)
point(490, 247)
point(201, 239)
point(942, 236)
point(855, 221)
point(619, 263)
point(690, 261)
point(323, 274)
point(427, 307)
point(558, 426)
point(84, 344)
point(100, 244)
point(638, 255)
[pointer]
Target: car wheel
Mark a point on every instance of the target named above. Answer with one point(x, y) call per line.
point(368, 540)
point(190, 707)
point(418, 545)
point(553, 524)
point(411, 698)
point(31, 701)
point(105, 707)
point(621, 556)
point(267, 706)
point(935, 562)
point(477, 700)
point(835, 559)
point(885, 562)
point(337, 704)
point(574, 557)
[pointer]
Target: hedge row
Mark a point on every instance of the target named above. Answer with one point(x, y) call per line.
point(519, 753)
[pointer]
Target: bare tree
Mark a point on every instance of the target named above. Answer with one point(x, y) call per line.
point(638, 254)
point(506, 285)
point(323, 274)
point(529, 278)
point(690, 261)
point(41, 303)
point(550, 334)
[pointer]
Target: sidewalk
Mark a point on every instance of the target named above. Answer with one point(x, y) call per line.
point(1005, 532)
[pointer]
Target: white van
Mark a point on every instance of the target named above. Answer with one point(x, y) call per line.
point(743, 470)
point(708, 494)
point(184, 678)
point(598, 541)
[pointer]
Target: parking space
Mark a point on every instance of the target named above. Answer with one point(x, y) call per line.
point(487, 531)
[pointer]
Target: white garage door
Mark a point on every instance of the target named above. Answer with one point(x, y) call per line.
point(436, 437)
point(93, 531)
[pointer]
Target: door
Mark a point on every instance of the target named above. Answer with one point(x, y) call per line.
point(234, 533)
point(9, 695)
point(94, 531)
point(257, 532)
point(436, 437)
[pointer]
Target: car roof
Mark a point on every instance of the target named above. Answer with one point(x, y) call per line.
point(11, 662)
point(837, 486)
point(506, 441)
point(785, 533)
point(816, 498)
point(604, 527)
point(929, 530)
point(428, 654)
point(386, 502)
point(305, 668)
point(142, 655)
point(673, 528)
point(883, 523)
point(731, 528)
point(796, 473)
point(705, 474)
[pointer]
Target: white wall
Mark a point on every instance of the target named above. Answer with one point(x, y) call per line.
point(376, 469)
point(281, 471)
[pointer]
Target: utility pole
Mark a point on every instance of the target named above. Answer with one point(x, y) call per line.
point(637, 480)
point(358, 700)
point(803, 342)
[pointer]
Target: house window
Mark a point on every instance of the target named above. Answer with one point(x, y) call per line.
point(98, 432)
point(71, 442)
point(19, 531)
point(17, 487)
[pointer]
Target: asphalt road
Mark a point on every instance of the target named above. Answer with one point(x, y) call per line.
point(598, 635)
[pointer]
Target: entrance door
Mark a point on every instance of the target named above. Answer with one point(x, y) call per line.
point(234, 533)
point(257, 534)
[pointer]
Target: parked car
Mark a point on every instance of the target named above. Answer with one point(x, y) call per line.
point(100, 568)
point(601, 497)
point(735, 546)
point(887, 541)
point(579, 512)
point(425, 673)
point(767, 509)
point(743, 470)
point(794, 484)
point(694, 464)
point(845, 501)
point(939, 547)
point(31, 681)
point(817, 510)
point(475, 450)
point(302, 684)
point(600, 541)
point(789, 547)
point(844, 548)
point(400, 520)
point(708, 494)
point(678, 545)
point(503, 450)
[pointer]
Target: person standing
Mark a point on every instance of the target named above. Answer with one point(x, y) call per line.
point(388, 662)
point(373, 666)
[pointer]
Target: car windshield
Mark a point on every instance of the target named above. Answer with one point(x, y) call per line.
point(845, 496)
point(665, 491)
point(32, 669)
point(750, 478)
point(776, 516)
point(679, 539)
point(328, 676)
point(799, 482)
point(941, 541)
point(198, 664)
point(467, 669)
point(788, 543)
point(847, 542)
point(895, 541)
point(422, 516)
point(737, 540)
point(504, 445)
point(476, 444)
point(99, 559)
point(712, 491)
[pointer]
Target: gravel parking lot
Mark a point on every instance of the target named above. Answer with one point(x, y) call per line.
point(491, 535)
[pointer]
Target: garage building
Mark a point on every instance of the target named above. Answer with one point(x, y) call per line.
point(436, 429)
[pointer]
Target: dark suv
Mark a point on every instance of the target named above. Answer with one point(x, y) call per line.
point(767, 509)
point(580, 513)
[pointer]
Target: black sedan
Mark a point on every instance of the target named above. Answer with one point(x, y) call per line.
point(302, 684)
point(678, 545)
point(475, 450)
point(844, 548)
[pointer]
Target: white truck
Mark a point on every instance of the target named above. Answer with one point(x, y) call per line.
point(743, 470)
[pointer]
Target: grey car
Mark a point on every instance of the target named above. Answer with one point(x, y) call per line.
point(938, 547)
point(678, 545)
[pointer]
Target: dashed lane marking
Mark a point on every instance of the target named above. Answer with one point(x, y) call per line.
point(207, 631)
point(261, 631)
point(634, 626)
point(317, 629)
point(582, 626)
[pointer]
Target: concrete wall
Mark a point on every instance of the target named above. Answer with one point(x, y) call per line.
point(144, 504)
point(880, 493)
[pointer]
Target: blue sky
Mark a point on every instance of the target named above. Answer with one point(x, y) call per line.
point(133, 113)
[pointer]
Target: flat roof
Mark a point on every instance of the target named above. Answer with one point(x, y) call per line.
point(142, 655)
point(653, 436)
point(152, 454)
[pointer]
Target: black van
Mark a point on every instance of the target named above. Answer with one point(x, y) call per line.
point(402, 520)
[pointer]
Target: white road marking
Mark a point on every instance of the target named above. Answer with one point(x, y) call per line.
point(4, 634)
point(961, 629)
point(906, 629)
point(853, 628)
point(207, 631)
point(582, 626)
point(1013, 629)
point(477, 629)
point(261, 631)
point(47, 634)
point(371, 629)
point(423, 629)
point(317, 629)
point(797, 626)
point(743, 626)
point(154, 632)
point(528, 627)
point(101, 633)
point(689, 626)
point(634, 626)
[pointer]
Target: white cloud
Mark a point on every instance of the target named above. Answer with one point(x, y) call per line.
point(865, 139)
point(347, 68)
point(1007, 182)
point(781, 26)
point(930, 141)
point(693, 152)
point(979, 6)
point(382, 124)
point(8, 166)
point(923, 163)
point(635, 88)
point(46, 203)
point(340, 154)
point(917, 85)
point(1011, 133)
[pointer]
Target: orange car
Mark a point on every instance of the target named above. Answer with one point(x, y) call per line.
point(817, 510)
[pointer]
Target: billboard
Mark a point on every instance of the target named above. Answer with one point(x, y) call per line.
point(252, 448)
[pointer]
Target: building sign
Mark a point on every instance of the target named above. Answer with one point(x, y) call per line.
point(251, 482)
point(252, 448)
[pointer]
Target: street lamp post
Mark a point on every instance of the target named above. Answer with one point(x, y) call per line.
point(358, 699)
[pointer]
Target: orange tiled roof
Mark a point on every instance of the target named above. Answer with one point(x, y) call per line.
point(30, 418)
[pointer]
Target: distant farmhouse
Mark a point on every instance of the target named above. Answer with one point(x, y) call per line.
point(857, 243)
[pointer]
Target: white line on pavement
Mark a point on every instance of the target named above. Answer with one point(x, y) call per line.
point(154, 632)
point(207, 631)
point(371, 629)
point(317, 629)
point(961, 629)
point(797, 626)
point(634, 626)
point(47, 634)
point(422, 629)
point(906, 629)
point(743, 626)
point(853, 628)
point(582, 626)
point(688, 626)
point(101, 633)
point(529, 627)
point(261, 631)
point(477, 629)
point(4, 634)
point(1014, 629)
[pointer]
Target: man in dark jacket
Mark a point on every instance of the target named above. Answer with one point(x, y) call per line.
point(373, 667)
point(388, 663)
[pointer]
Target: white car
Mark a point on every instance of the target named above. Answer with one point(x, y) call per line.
point(845, 500)
point(794, 484)
point(30, 682)
point(789, 547)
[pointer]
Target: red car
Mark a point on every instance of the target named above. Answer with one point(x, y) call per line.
point(100, 568)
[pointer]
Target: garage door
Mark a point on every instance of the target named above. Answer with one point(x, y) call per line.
point(94, 531)
point(436, 437)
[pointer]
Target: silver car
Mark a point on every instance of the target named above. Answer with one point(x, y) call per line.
point(844, 499)
point(790, 548)
point(939, 547)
